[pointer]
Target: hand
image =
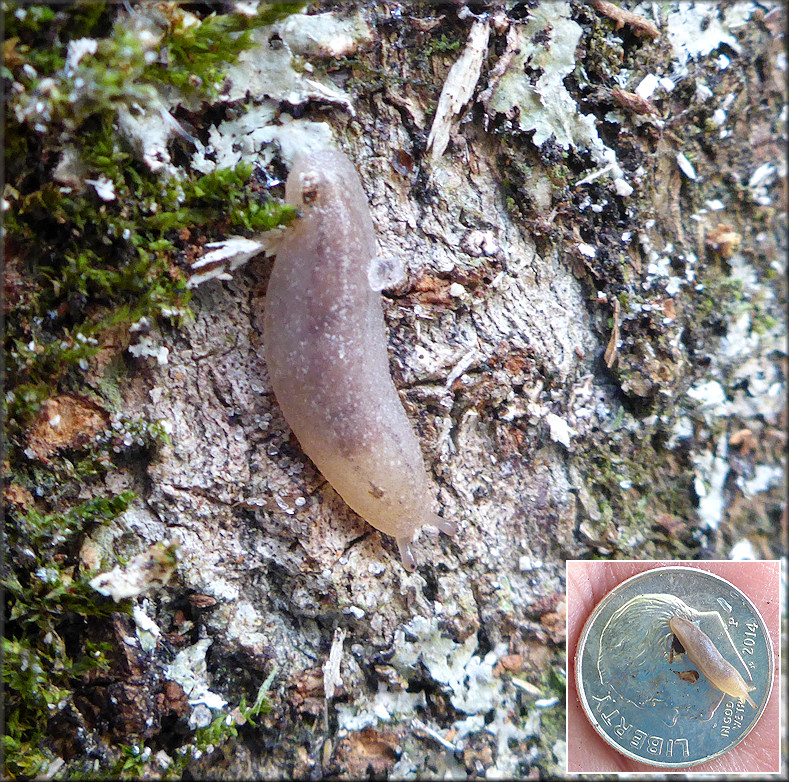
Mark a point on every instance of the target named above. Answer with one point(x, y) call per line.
point(587, 584)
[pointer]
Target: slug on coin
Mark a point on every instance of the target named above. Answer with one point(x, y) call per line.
point(326, 352)
point(702, 653)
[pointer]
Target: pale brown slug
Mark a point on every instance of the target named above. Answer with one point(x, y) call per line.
point(326, 352)
point(705, 656)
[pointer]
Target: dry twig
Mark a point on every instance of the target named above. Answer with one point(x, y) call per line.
point(642, 27)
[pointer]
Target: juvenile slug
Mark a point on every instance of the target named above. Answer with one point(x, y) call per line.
point(325, 343)
point(703, 654)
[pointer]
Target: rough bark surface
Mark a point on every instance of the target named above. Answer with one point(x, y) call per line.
point(546, 438)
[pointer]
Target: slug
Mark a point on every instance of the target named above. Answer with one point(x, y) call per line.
point(710, 662)
point(326, 352)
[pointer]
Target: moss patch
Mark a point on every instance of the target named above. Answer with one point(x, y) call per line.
point(95, 242)
point(47, 648)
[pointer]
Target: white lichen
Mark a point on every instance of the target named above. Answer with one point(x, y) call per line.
point(226, 256)
point(325, 35)
point(331, 668)
point(765, 476)
point(743, 550)
point(385, 706)
point(559, 429)
point(544, 105)
point(189, 669)
point(710, 396)
point(147, 346)
point(266, 71)
point(78, 49)
point(149, 570)
point(685, 166)
point(148, 631)
point(104, 187)
point(711, 473)
point(254, 137)
point(148, 131)
point(467, 677)
point(696, 29)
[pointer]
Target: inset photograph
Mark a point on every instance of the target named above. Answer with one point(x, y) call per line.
point(673, 667)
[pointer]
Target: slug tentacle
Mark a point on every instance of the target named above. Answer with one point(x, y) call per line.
point(326, 351)
point(703, 653)
point(447, 527)
point(406, 555)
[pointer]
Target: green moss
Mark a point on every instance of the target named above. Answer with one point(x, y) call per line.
point(81, 19)
point(441, 45)
point(223, 728)
point(552, 724)
point(79, 272)
point(131, 763)
point(559, 176)
point(552, 720)
point(223, 194)
point(118, 256)
point(604, 51)
point(722, 298)
point(22, 24)
point(762, 322)
point(195, 56)
point(555, 680)
point(46, 598)
point(627, 478)
point(140, 53)
point(86, 269)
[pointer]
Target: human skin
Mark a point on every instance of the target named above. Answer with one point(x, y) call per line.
point(588, 582)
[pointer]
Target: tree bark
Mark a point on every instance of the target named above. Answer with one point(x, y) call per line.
point(592, 359)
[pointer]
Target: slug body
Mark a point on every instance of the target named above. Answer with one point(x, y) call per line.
point(326, 352)
point(710, 662)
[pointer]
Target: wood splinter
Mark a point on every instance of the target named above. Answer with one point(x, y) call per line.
point(642, 27)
